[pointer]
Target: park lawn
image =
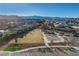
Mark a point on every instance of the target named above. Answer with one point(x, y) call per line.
point(12, 49)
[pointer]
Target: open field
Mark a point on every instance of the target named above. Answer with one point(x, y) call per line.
point(34, 36)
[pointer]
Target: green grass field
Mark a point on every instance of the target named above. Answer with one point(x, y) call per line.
point(12, 49)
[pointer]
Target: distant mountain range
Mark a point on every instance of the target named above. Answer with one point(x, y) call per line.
point(11, 17)
point(15, 17)
point(36, 17)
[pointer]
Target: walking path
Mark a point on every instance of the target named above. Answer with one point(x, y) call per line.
point(27, 49)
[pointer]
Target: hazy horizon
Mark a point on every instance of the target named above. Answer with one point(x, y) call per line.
point(40, 9)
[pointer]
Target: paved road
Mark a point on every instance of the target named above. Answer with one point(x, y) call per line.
point(59, 50)
point(46, 41)
point(27, 49)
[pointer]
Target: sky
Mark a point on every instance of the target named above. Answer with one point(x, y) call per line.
point(40, 9)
